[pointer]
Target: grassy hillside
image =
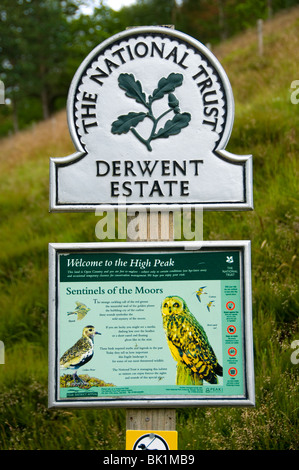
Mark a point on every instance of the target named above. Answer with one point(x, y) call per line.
point(266, 125)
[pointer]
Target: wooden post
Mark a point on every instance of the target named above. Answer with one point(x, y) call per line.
point(161, 419)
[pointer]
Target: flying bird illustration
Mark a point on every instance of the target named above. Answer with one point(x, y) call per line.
point(188, 344)
point(210, 304)
point(199, 292)
point(81, 310)
point(80, 353)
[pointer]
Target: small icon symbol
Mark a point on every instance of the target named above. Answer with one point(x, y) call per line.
point(232, 352)
point(231, 329)
point(151, 441)
point(230, 305)
point(232, 372)
point(229, 259)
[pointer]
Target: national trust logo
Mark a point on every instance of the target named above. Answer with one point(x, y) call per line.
point(163, 65)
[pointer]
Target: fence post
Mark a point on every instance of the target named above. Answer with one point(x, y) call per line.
point(2, 92)
point(2, 353)
point(260, 37)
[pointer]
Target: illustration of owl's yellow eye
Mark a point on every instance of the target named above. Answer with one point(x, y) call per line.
point(165, 305)
point(176, 304)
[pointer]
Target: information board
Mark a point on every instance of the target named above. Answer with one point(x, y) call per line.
point(155, 324)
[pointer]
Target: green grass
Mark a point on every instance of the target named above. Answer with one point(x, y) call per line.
point(266, 125)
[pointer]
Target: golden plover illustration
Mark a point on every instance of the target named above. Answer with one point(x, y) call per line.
point(80, 353)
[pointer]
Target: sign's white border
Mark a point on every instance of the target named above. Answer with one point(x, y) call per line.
point(55, 249)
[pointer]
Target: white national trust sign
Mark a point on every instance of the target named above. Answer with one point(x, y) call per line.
point(150, 112)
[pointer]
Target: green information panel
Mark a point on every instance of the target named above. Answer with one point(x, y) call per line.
point(155, 325)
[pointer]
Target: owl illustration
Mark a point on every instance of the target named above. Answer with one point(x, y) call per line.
point(188, 344)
